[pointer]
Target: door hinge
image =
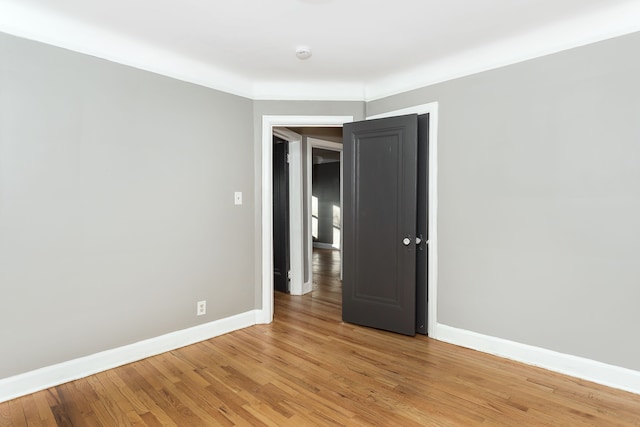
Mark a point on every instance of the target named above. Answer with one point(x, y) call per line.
point(289, 274)
point(288, 159)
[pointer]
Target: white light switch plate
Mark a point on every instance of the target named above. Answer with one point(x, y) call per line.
point(238, 198)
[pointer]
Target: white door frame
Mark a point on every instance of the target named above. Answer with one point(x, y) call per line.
point(268, 123)
point(432, 215)
point(326, 145)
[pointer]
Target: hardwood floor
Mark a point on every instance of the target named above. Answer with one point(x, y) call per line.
point(309, 368)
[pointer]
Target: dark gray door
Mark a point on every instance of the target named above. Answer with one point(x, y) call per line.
point(280, 215)
point(380, 197)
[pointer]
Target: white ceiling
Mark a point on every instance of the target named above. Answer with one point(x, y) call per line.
point(362, 49)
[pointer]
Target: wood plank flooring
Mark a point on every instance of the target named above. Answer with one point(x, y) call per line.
point(309, 368)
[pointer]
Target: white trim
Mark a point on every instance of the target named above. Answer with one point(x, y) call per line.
point(581, 30)
point(587, 369)
point(296, 225)
point(51, 376)
point(308, 285)
point(55, 29)
point(268, 123)
point(416, 109)
point(432, 215)
point(296, 245)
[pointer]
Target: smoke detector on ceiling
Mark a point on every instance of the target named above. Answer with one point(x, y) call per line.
point(303, 53)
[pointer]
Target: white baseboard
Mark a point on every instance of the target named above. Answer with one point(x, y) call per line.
point(50, 376)
point(321, 245)
point(307, 287)
point(262, 318)
point(586, 369)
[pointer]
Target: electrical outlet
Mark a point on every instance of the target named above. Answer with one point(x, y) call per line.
point(201, 308)
point(237, 197)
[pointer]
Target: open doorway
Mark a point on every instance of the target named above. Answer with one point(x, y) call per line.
point(269, 123)
point(314, 212)
point(265, 315)
point(281, 207)
point(326, 220)
point(326, 204)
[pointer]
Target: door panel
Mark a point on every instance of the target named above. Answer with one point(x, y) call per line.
point(380, 167)
point(280, 215)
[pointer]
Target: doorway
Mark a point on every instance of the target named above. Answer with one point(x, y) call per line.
point(308, 161)
point(431, 110)
point(385, 223)
point(269, 125)
point(281, 235)
point(325, 232)
point(326, 206)
point(325, 160)
point(265, 315)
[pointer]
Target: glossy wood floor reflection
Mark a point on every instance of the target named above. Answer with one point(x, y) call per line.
point(308, 368)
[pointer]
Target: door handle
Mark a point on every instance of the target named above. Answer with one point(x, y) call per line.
point(406, 241)
point(418, 240)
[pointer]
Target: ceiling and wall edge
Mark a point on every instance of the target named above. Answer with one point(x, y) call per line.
point(58, 30)
point(580, 31)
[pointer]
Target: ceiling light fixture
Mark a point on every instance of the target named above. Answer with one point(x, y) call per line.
point(303, 53)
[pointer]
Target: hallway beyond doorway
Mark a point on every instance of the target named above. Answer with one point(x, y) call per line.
point(327, 285)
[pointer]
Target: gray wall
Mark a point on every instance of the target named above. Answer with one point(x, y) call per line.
point(539, 200)
point(326, 187)
point(116, 205)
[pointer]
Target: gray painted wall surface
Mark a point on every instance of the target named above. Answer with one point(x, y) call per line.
point(116, 205)
point(539, 200)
